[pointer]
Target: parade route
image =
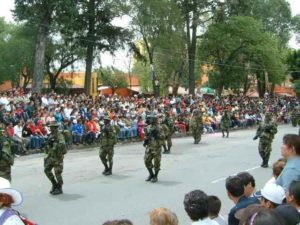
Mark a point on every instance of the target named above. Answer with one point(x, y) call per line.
point(91, 198)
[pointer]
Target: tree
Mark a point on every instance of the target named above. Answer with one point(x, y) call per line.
point(293, 62)
point(16, 50)
point(42, 14)
point(195, 13)
point(93, 27)
point(61, 54)
point(112, 78)
point(237, 49)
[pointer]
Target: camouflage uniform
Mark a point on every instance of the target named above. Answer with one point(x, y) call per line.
point(169, 130)
point(107, 141)
point(6, 156)
point(196, 126)
point(225, 124)
point(153, 142)
point(294, 118)
point(266, 132)
point(54, 160)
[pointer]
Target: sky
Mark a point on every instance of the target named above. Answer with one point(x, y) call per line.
point(121, 60)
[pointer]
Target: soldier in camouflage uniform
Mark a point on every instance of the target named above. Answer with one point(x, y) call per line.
point(54, 160)
point(266, 132)
point(168, 122)
point(107, 141)
point(294, 117)
point(153, 142)
point(6, 156)
point(225, 123)
point(196, 126)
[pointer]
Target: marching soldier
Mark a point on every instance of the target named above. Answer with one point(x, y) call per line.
point(225, 124)
point(266, 132)
point(54, 160)
point(168, 122)
point(196, 125)
point(6, 156)
point(107, 141)
point(153, 143)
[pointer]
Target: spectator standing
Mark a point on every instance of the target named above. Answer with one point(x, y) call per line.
point(163, 216)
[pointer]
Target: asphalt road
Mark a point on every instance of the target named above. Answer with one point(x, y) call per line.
point(91, 198)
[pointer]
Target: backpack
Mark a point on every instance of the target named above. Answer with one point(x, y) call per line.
point(10, 212)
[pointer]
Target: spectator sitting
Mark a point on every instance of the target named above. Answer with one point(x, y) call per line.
point(264, 217)
point(214, 207)
point(163, 216)
point(118, 222)
point(9, 197)
point(235, 192)
point(248, 182)
point(293, 195)
point(272, 195)
point(196, 206)
point(277, 169)
point(289, 214)
point(77, 131)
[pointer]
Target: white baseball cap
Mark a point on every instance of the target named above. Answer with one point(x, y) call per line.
point(6, 189)
point(273, 192)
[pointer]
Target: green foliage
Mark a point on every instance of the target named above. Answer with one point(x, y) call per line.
point(16, 52)
point(112, 78)
point(293, 61)
point(143, 72)
point(238, 47)
point(297, 87)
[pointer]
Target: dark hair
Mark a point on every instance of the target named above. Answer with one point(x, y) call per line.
point(292, 140)
point(294, 189)
point(278, 167)
point(196, 205)
point(6, 200)
point(214, 205)
point(264, 217)
point(118, 222)
point(234, 186)
point(246, 178)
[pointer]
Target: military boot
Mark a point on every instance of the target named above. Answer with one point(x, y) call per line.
point(169, 150)
point(223, 135)
point(165, 149)
point(227, 134)
point(105, 168)
point(57, 190)
point(151, 174)
point(54, 185)
point(154, 179)
point(109, 171)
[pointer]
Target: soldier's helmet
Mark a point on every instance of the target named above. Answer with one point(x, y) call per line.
point(154, 119)
point(196, 112)
point(53, 124)
point(106, 118)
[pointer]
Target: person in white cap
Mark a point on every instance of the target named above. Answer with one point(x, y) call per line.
point(9, 197)
point(272, 195)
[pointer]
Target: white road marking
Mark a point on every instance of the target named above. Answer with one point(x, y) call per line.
point(224, 178)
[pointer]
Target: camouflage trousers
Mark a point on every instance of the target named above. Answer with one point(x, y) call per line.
point(152, 158)
point(264, 149)
point(106, 154)
point(57, 165)
point(196, 135)
point(5, 170)
point(168, 139)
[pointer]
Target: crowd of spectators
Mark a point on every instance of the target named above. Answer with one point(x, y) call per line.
point(81, 117)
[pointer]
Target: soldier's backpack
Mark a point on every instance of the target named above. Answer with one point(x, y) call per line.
point(10, 212)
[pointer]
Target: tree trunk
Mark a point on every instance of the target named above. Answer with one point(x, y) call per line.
point(260, 84)
point(90, 47)
point(191, 40)
point(40, 47)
